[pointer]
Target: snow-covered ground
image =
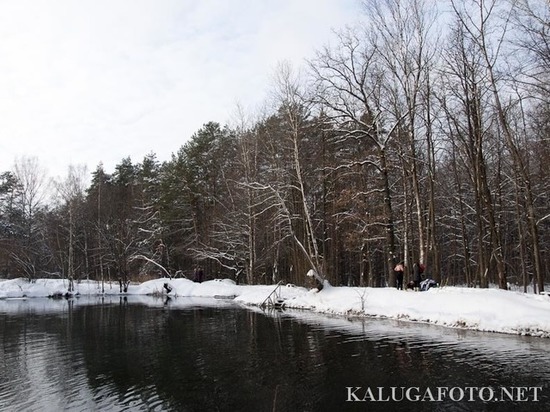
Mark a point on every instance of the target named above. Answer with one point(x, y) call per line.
point(491, 310)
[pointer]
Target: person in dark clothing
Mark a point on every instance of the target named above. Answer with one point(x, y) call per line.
point(198, 274)
point(399, 269)
point(418, 268)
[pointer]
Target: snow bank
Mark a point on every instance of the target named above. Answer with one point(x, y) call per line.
point(490, 310)
point(480, 309)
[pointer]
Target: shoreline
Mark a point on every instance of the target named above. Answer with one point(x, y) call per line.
point(486, 310)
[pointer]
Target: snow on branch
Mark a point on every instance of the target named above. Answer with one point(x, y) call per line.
point(142, 257)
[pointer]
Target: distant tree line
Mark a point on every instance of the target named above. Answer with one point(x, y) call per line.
point(420, 136)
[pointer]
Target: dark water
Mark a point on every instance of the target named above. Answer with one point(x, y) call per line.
point(209, 355)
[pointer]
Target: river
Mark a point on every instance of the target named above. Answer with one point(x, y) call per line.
point(188, 354)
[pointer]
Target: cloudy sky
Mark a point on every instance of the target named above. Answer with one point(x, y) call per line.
point(84, 81)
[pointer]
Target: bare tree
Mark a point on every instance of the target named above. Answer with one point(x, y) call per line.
point(467, 109)
point(71, 191)
point(349, 88)
point(405, 40)
point(32, 178)
point(294, 107)
point(532, 19)
point(478, 26)
point(33, 185)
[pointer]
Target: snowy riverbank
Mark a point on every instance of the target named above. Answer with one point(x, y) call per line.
point(490, 310)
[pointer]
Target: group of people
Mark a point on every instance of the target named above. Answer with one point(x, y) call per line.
point(416, 282)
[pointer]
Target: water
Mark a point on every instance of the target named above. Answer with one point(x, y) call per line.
point(146, 354)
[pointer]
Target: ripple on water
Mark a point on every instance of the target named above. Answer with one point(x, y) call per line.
point(156, 361)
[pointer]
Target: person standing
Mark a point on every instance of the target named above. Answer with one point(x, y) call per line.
point(399, 269)
point(198, 274)
point(418, 268)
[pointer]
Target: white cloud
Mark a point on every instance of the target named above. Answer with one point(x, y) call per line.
point(98, 80)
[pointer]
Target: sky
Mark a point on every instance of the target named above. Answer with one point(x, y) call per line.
point(90, 81)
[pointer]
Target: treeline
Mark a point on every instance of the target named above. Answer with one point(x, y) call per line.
point(420, 136)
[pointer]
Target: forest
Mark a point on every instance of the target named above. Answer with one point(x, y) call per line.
point(418, 136)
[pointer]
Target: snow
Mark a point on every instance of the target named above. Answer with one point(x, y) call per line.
point(490, 310)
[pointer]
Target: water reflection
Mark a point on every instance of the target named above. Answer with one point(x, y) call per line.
point(142, 353)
